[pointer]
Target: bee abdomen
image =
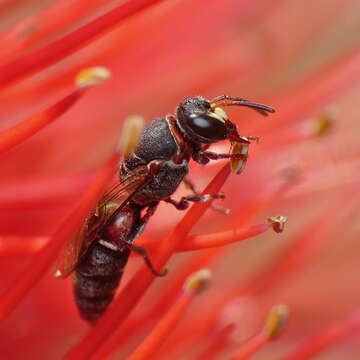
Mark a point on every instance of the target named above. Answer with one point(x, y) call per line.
point(96, 280)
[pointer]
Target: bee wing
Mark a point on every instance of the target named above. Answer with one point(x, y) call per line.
point(108, 206)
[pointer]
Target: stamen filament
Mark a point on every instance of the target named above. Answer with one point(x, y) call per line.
point(206, 241)
point(43, 260)
point(275, 323)
point(162, 330)
point(31, 245)
point(22, 131)
point(325, 338)
point(307, 242)
point(221, 342)
point(135, 289)
point(17, 245)
point(272, 190)
point(318, 90)
point(251, 347)
point(69, 43)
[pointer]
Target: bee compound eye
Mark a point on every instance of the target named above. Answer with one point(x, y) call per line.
point(207, 127)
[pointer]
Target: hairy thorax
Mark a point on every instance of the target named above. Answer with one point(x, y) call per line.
point(156, 143)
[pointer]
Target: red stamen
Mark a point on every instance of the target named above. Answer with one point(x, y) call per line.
point(221, 342)
point(206, 241)
point(45, 191)
point(163, 329)
point(39, 27)
point(46, 257)
point(29, 246)
point(16, 245)
point(328, 175)
point(137, 286)
point(20, 132)
point(168, 322)
point(251, 347)
point(275, 323)
point(272, 190)
point(69, 43)
point(325, 338)
point(310, 240)
point(221, 238)
point(317, 91)
point(315, 127)
point(291, 260)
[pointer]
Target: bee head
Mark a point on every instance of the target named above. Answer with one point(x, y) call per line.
point(205, 121)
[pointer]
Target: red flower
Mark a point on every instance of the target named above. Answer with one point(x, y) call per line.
point(297, 59)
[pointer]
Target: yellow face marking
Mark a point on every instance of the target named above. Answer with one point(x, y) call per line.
point(219, 114)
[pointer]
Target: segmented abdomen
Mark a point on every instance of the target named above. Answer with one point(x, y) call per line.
point(98, 275)
point(96, 280)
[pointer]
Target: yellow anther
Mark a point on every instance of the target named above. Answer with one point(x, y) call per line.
point(277, 223)
point(92, 76)
point(321, 124)
point(276, 320)
point(197, 281)
point(131, 132)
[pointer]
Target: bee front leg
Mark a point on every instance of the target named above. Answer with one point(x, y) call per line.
point(191, 186)
point(209, 155)
point(184, 202)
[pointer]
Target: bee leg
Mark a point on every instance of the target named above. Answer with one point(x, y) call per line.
point(150, 211)
point(209, 155)
point(142, 223)
point(140, 250)
point(184, 202)
point(191, 186)
point(203, 157)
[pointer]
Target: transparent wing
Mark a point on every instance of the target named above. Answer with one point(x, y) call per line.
point(108, 206)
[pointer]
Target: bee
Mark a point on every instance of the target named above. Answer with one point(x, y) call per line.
point(151, 173)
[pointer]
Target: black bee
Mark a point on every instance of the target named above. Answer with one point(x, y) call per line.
point(151, 173)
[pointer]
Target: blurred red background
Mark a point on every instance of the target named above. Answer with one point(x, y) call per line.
point(298, 58)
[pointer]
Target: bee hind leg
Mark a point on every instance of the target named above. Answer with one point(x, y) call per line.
point(184, 202)
point(140, 250)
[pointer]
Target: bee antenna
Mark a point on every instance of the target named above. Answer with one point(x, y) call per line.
point(228, 100)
